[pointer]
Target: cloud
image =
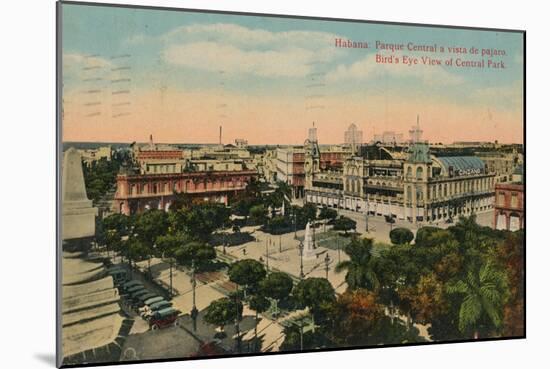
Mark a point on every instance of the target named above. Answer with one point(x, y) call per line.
point(213, 56)
point(238, 49)
point(367, 69)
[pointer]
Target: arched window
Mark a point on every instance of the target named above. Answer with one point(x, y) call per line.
point(445, 190)
point(419, 173)
point(409, 192)
point(409, 172)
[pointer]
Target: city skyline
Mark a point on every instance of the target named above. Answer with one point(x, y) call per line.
point(267, 79)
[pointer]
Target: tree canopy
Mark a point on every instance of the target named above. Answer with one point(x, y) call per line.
point(400, 236)
point(223, 311)
point(247, 272)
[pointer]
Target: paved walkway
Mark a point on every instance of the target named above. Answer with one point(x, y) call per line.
point(281, 253)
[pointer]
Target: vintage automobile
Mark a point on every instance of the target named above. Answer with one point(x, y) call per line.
point(160, 305)
point(131, 286)
point(152, 300)
point(140, 301)
point(134, 296)
point(164, 318)
point(148, 310)
point(119, 275)
point(133, 290)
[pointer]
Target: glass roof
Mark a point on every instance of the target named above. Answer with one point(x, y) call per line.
point(462, 162)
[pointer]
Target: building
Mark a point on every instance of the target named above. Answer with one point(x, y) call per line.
point(138, 192)
point(389, 138)
point(509, 213)
point(92, 155)
point(501, 163)
point(353, 137)
point(291, 163)
point(410, 184)
point(241, 142)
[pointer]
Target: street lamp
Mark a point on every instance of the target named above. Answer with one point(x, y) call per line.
point(267, 253)
point(194, 311)
point(367, 216)
point(327, 261)
point(171, 289)
point(280, 244)
point(294, 216)
point(338, 247)
point(301, 247)
point(237, 318)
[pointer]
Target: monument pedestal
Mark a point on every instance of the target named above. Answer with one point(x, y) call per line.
point(77, 213)
point(309, 250)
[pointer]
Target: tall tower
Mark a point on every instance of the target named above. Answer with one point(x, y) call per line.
point(151, 143)
point(417, 172)
point(312, 158)
point(415, 132)
point(353, 137)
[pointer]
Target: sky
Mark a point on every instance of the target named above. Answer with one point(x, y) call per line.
point(129, 73)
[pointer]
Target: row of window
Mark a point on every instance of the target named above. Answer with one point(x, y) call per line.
point(501, 199)
point(159, 187)
point(442, 190)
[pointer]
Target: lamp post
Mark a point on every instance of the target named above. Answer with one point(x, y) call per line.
point(171, 289)
point(223, 239)
point(314, 243)
point(301, 248)
point(194, 311)
point(338, 247)
point(327, 261)
point(367, 216)
point(267, 253)
point(237, 318)
point(294, 217)
point(280, 244)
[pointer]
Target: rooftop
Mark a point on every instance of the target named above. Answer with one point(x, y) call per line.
point(462, 163)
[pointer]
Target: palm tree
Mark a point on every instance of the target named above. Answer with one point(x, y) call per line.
point(360, 267)
point(484, 292)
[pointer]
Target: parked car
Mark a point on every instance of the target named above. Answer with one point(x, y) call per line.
point(160, 305)
point(136, 294)
point(126, 287)
point(119, 275)
point(140, 301)
point(164, 318)
point(146, 305)
point(134, 289)
point(152, 300)
point(157, 306)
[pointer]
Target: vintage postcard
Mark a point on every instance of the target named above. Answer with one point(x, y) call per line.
point(241, 184)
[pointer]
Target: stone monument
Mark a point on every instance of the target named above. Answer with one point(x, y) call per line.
point(309, 250)
point(77, 214)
